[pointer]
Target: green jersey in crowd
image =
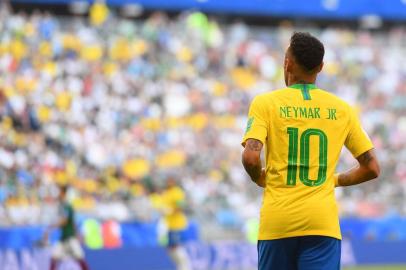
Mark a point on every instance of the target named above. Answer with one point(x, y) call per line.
point(68, 230)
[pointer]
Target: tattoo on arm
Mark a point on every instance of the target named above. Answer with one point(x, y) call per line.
point(254, 145)
point(367, 169)
point(253, 148)
point(365, 158)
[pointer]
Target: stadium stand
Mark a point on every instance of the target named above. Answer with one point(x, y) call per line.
point(112, 107)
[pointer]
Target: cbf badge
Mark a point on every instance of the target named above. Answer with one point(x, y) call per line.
point(249, 124)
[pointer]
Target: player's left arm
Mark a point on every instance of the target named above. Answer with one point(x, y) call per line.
point(360, 145)
point(367, 169)
point(251, 159)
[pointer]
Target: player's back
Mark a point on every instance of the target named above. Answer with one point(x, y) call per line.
point(305, 130)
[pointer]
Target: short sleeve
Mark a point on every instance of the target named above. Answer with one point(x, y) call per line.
point(257, 124)
point(357, 141)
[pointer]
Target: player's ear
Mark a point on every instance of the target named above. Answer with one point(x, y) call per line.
point(320, 67)
point(285, 62)
point(288, 64)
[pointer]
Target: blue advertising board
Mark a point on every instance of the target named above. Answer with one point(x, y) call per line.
point(329, 9)
point(126, 258)
point(220, 255)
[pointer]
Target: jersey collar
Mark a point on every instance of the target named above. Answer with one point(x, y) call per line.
point(301, 86)
point(304, 87)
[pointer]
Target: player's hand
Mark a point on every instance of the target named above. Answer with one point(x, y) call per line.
point(262, 180)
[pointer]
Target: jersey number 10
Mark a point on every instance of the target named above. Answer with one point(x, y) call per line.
point(305, 156)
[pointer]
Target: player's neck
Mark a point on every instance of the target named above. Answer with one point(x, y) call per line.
point(292, 82)
point(302, 80)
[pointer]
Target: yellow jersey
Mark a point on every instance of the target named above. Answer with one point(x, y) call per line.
point(303, 129)
point(174, 199)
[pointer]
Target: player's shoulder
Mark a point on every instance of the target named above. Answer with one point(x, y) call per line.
point(276, 93)
point(269, 96)
point(332, 98)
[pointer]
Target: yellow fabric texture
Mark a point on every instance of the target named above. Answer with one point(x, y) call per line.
point(174, 199)
point(324, 124)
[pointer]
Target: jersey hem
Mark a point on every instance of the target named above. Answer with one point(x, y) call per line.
point(296, 234)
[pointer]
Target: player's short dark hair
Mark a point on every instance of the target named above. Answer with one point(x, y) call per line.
point(307, 50)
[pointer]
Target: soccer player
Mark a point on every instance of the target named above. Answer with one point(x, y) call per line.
point(303, 129)
point(69, 244)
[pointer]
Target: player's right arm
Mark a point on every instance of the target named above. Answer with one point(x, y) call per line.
point(251, 160)
point(62, 221)
point(361, 147)
point(367, 169)
point(254, 140)
point(59, 224)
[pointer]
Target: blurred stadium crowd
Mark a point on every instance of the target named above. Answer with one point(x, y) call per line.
point(114, 106)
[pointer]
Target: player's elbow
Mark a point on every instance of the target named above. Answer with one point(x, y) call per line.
point(250, 159)
point(369, 165)
point(373, 169)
